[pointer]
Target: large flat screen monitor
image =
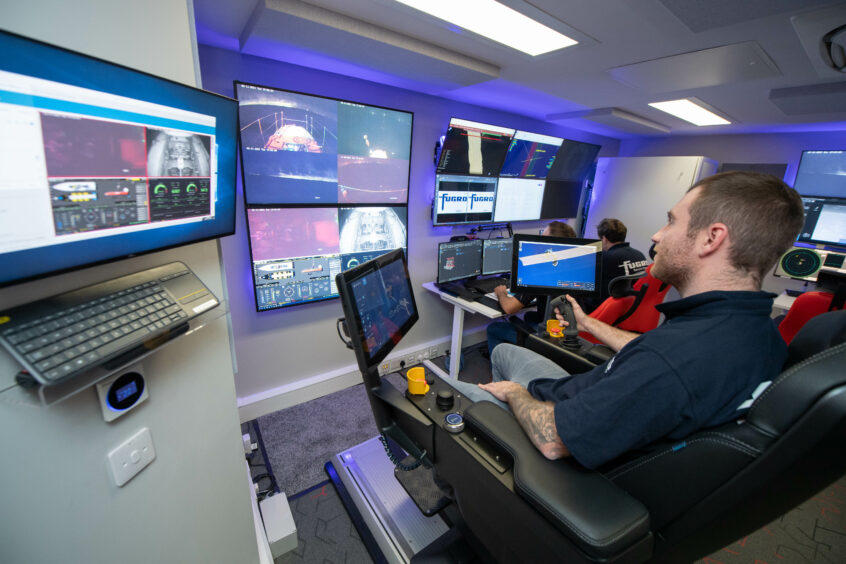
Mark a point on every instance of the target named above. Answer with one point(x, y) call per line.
point(379, 306)
point(496, 256)
point(825, 221)
point(459, 260)
point(463, 199)
point(302, 149)
point(530, 155)
point(554, 266)
point(474, 148)
point(573, 164)
point(822, 173)
point(100, 162)
point(518, 199)
point(297, 251)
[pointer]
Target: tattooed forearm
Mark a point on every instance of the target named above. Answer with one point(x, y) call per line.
point(538, 420)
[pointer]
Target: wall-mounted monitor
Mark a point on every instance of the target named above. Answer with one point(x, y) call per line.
point(573, 161)
point(555, 266)
point(530, 155)
point(474, 148)
point(518, 199)
point(297, 251)
point(822, 173)
point(100, 162)
point(459, 260)
point(303, 149)
point(825, 221)
point(463, 199)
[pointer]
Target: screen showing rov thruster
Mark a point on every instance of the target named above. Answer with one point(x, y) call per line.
point(296, 252)
point(553, 267)
point(474, 148)
point(496, 256)
point(458, 260)
point(383, 305)
point(825, 221)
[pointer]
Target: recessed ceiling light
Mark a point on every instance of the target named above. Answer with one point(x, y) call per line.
point(496, 21)
point(690, 111)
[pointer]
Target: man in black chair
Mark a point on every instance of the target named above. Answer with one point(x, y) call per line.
point(717, 346)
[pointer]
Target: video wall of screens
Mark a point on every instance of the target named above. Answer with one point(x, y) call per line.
point(491, 174)
point(303, 149)
point(326, 189)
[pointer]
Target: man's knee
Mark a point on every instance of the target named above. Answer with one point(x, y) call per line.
point(500, 352)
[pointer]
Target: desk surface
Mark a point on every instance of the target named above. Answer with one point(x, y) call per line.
point(466, 305)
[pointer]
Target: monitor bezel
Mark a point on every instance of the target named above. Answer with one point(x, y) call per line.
point(470, 277)
point(235, 84)
point(344, 280)
point(546, 290)
point(114, 83)
point(835, 199)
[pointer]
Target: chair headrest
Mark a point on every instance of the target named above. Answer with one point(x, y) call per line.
point(819, 333)
point(623, 286)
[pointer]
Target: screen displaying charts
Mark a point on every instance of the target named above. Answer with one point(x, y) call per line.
point(296, 252)
point(303, 149)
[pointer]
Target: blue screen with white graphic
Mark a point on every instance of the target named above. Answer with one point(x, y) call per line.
point(557, 266)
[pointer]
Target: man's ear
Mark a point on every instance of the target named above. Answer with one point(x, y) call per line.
point(715, 237)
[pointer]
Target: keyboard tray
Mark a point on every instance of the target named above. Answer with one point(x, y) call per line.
point(63, 336)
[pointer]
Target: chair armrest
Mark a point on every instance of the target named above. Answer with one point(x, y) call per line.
point(600, 518)
point(574, 362)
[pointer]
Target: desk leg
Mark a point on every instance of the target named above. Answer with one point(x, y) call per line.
point(455, 346)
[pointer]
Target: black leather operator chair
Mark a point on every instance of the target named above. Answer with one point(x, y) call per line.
point(671, 503)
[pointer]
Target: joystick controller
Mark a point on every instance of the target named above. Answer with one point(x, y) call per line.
point(571, 331)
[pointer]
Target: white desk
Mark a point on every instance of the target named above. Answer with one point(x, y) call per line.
point(782, 303)
point(460, 305)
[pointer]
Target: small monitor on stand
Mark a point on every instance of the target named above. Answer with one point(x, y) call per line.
point(496, 256)
point(459, 260)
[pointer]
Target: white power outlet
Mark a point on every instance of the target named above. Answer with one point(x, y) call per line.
point(132, 456)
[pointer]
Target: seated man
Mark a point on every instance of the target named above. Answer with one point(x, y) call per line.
point(694, 371)
point(503, 331)
point(618, 259)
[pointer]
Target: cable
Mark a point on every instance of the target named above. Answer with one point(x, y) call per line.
point(405, 467)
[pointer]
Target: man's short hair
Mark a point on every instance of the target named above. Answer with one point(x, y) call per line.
point(561, 229)
point(763, 215)
point(612, 229)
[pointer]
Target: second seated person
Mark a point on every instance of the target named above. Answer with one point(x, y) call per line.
point(618, 259)
point(694, 371)
point(503, 331)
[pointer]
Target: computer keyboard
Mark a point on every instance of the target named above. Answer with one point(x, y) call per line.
point(487, 285)
point(458, 290)
point(106, 324)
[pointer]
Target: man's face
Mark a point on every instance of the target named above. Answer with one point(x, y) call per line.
point(673, 247)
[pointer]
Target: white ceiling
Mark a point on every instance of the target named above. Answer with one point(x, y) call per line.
point(729, 54)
